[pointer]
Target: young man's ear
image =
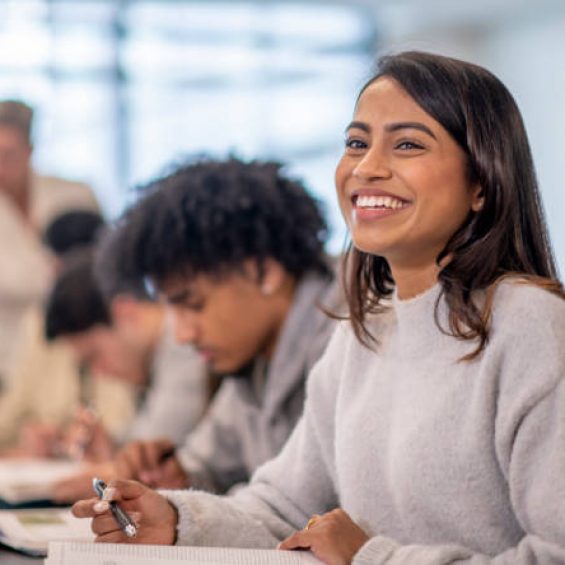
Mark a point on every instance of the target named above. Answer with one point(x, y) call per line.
point(124, 310)
point(270, 278)
point(273, 278)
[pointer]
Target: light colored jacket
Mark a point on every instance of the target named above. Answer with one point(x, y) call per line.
point(26, 266)
point(177, 393)
point(248, 422)
point(438, 460)
point(45, 386)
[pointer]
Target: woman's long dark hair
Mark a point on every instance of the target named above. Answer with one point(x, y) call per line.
point(507, 237)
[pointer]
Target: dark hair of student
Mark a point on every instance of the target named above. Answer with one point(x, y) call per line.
point(109, 273)
point(72, 229)
point(210, 216)
point(75, 303)
point(508, 236)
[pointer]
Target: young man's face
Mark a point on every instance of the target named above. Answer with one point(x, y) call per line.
point(104, 351)
point(230, 321)
point(15, 154)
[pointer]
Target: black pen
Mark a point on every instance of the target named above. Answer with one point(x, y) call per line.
point(124, 521)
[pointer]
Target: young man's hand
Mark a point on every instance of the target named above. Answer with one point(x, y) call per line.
point(151, 462)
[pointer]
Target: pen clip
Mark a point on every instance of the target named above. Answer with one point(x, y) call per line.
point(99, 486)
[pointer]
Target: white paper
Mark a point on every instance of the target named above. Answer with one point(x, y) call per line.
point(25, 480)
point(32, 530)
point(73, 553)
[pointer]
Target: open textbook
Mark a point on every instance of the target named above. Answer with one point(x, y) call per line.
point(30, 531)
point(26, 480)
point(71, 553)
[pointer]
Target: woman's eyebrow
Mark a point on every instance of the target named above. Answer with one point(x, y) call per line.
point(363, 126)
point(410, 125)
point(359, 125)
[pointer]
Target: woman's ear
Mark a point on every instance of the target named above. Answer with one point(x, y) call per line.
point(478, 200)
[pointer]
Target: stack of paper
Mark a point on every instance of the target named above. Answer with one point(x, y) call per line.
point(30, 531)
point(72, 553)
point(26, 480)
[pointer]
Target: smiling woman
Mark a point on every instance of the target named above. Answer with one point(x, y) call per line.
point(396, 151)
point(434, 426)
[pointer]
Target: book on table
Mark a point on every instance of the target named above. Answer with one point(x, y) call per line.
point(30, 531)
point(72, 553)
point(28, 480)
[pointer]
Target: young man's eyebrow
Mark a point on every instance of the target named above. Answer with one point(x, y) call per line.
point(178, 297)
point(410, 125)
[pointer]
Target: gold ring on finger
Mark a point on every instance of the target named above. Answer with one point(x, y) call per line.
point(310, 523)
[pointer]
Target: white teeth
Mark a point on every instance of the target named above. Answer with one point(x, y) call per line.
point(388, 202)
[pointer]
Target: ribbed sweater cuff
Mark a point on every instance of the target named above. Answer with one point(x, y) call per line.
point(376, 551)
point(177, 499)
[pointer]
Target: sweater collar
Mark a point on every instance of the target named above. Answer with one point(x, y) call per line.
point(416, 318)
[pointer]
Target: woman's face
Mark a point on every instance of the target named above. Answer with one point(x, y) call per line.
point(401, 183)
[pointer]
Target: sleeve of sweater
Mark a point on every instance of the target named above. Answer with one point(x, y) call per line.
point(530, 440)
point(282, 494)
point(175, 399)
point(211, 455)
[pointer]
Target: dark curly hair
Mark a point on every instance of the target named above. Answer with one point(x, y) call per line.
point(75, 303)
point(508, 236)
point(210, 216)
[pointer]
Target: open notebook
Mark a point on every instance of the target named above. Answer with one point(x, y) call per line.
point(26, 480)
point(30, 531)
point(72, 553)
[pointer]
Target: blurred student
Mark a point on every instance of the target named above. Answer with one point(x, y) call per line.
point(434, 427)
point(47, 382)
point(28, 203)
point(127, 335)
point(237, 250)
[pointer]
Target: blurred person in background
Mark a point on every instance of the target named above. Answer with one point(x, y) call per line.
point(127, 335)
point(237, 250)
point(28, 203)
point(47, 382)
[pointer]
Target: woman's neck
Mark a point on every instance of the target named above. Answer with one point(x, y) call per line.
point(411, 281)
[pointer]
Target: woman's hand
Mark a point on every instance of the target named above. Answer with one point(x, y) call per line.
point(334, 538)
point(156, 519)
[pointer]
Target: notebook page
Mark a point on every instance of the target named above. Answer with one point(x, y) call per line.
point(32, 530)
point(71, 553)
point(22, 480)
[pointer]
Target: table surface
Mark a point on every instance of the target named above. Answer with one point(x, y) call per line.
point(8, 557)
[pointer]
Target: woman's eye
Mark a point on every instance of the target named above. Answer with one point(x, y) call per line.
point(407, 145)
point(353, 143)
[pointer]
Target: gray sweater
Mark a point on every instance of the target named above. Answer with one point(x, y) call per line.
point(177, 392)
point(253, 414)
point(439, 460)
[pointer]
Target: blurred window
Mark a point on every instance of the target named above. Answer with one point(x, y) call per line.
point(124, 88)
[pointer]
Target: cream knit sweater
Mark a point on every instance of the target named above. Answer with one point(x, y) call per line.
point(439, 460)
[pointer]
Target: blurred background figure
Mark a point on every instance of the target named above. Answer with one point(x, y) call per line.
point(121, 88)
point(28, 203)
point(126, 335)
point(47, 382)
